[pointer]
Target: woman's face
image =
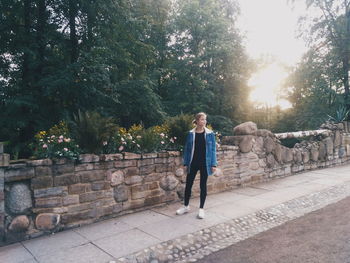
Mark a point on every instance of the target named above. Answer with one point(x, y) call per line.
point(202, 121)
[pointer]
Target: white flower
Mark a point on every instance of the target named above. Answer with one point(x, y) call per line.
point(105, 143)
point(45, 146)
point(162, 142)
point(138, 145)
point(65, 149)
point(171, 140)
point(138, 137)
point(121, 148)
point(162, 134)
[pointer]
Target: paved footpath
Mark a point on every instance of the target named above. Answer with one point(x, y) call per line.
point(158, 235)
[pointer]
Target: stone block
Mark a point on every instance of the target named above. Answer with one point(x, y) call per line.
point(161, 160)
point(125, 163)
point(100, 185)
point(41, 182)
point(111, 157)
point(47, 221)
point(43, 171)
point(149, 155)
point(83, 167)
point(79, 188)
point(153, 177)
point(12, 175)
point(139, 191)
point(70, 200)
point(174, 153)
point(48, 192)
point(163, 155)
point(63, 169)
point(78, 216)
point(19, 224)
point(131, 156)
point(147, 169)
point(42, 162)
point(131, 171)
point(91, 176)
point(48, 202)
point(66, 179)
point(169, 183)
point(144, 162)
point(121, 193)
point(245, 128)
point(88, 158)
point(135, 179)
point(161, 168)
point(269, 144)
point(115, 177)
point(19, 199)
point(4, 159)
point(91, 196)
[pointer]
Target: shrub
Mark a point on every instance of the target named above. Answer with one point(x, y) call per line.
point(178, 128)
point(93, 132)
point(56, 142)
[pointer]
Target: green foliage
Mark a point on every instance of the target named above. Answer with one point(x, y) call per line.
point(179, 127)
point(92, 131)
point(137, 61)
point(341, 114)
point(55, 143)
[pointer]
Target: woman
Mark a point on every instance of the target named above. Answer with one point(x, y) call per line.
point(199, 155)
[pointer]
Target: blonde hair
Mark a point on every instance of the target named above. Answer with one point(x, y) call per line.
point(198, 116)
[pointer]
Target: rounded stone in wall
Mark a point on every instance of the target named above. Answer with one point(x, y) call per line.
point(245, 128)
point(180, 190)
point(314, 154)
point(18, 199)
point(269, 144)
point(169, 183)
point(19, 224)
point(121, 193)
point(47, 221)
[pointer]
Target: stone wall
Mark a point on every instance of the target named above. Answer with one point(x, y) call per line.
point(43, 196)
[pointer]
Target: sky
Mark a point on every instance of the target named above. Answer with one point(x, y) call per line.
point(270, 27)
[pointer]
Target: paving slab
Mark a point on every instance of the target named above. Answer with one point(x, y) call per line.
point(55, 242)
point(126, 242)
point(103, 229)
point(169, 228)
point(15, 253)
point(143, 218)
point(87, 253)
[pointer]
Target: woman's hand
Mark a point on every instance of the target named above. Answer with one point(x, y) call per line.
point(213, 169)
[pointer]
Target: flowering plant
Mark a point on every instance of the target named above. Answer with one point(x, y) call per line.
point(55, 142)
point(141, 140)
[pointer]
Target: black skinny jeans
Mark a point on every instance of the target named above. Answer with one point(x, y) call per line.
point(203, 183)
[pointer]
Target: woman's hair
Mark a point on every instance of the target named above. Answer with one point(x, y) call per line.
point(198, 116)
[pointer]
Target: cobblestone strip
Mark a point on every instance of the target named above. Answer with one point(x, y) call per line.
point(191, 247)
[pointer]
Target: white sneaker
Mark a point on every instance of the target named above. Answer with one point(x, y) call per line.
point(183, 210)
point(201, 213)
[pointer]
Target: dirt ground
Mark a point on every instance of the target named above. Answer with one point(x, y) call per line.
point(322, 236)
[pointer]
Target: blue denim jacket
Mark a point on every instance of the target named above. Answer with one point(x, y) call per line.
point(210, 146)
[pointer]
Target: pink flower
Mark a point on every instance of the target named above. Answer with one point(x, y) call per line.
point(105, 143)
point(161, 135)
point(59, 140)
point(162, 142)
point(65, 149)
point(61, 137)
point(121, 148)
point(171, 140)
point(45, 146)
point(175, 138)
